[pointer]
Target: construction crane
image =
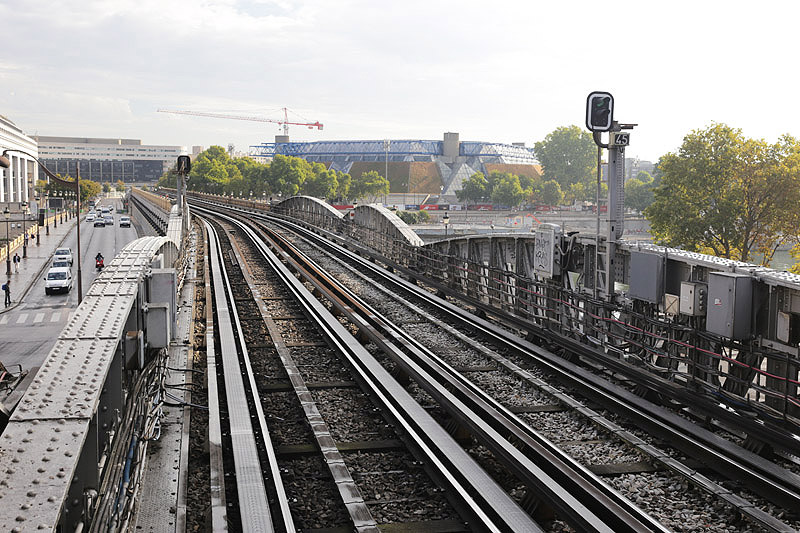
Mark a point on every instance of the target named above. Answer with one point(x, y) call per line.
point(285, 122)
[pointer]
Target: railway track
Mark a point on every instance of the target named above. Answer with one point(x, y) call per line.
point(770, 487)
point(309, 484)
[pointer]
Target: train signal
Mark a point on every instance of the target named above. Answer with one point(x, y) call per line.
point(184, 164)
point(599, 111)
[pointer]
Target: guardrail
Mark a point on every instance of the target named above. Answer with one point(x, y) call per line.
point(162, 202)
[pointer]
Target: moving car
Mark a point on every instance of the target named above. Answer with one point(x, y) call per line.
point(90, 217)
point(99, 222)
point(109, 220)
point(60, 263)
point(58, 279)
point(124, 222)
point(64, 254)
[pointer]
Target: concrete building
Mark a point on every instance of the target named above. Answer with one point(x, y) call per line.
point(109, 160)
point(17, 181)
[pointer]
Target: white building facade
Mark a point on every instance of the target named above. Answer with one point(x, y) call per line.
point(17, 181)
point(105, 159)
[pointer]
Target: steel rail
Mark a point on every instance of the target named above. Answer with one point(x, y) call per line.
point(761, 428)
point(754, 514)
point(579, 497)
point(215, 452)
point(253, 498)
point(769, 480)
point(773, 482)
point(484, 501)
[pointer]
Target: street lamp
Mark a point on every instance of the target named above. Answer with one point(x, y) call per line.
point(32, 194)
point(7, 215)
point(25, 211)
point(446, 221)
point(386, 144)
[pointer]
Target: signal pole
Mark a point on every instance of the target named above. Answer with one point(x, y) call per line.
point(184, 166)
point(599, 119)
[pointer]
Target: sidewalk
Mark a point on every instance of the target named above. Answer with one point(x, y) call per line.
point(39, 258)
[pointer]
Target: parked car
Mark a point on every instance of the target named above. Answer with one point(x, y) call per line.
point(99, 222)
point(58, 279)
point(124, 222)
point(64, 254)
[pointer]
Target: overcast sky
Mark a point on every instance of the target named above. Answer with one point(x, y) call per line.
point(502, 71)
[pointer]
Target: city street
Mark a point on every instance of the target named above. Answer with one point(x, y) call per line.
point(28, 332)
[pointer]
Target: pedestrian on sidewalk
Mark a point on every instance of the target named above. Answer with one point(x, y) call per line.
point(16, 262)
point(7, 291)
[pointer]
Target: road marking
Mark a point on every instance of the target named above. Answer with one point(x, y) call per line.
point(38, 318)
point(4, 320)
point(56, 317)
point(22, 318)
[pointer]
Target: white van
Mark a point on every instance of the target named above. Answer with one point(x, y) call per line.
point(58, 279)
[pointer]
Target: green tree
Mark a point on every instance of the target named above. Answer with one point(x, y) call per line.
point(638, 195)
point(507, 190)
point(89, 189)
point(370, 185)
point(414, 217)
point(568, 155)
point(253, 177)
point(322, 184)
point(551, 193)
point(724, 194)
point(474, 189)
point(214, 171)
point(287, 174)
point(106, 186)
point(345, 181)
point(120, 186)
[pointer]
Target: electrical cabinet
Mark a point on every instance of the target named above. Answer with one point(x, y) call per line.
point(163, 287)
point(646, 279)
point(547, 250)
point(693, 298)
point(157, 320)
point(133, 350)
point(730, 304)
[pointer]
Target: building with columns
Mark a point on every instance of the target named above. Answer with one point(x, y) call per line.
point(17, 181)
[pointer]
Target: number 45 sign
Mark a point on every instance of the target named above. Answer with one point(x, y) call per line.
point(620, 139)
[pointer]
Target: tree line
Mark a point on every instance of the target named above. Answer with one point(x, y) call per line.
point(214, 171)
point(720, 193)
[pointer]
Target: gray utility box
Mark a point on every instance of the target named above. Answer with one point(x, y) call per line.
point(646, 280)
point(693, 298)
point(547, 250)
point(157, 322)
point(730, 305)
point(163, 286)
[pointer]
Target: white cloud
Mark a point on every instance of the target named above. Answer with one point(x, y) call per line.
point(504, 71)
